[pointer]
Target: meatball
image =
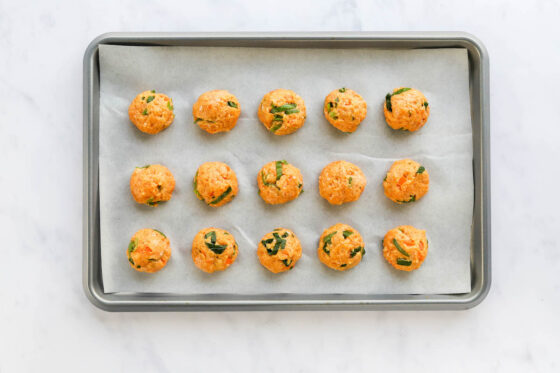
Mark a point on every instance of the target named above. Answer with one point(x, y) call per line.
point(152, 184)
point(282, 111)
point(216, 111)
point(407, 181)
point(215, 183)
point(279, 182)
point(341, 182)
point(405, 247)
point(341, 247)
point(148, 250)
point(279, 250)
point(151, 112)
point(214, 249)
point(406, 109)
point(345, 109)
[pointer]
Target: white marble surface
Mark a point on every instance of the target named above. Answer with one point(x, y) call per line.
point(45, 319)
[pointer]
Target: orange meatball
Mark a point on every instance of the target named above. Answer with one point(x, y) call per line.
point(216, 111)
point(407, 181)
point(151, 112)
point(405, 247)
point(406, 109)
point(341, 247)
point(214, 249)
point(152, 184)
point(282, 111)
point(148, 250)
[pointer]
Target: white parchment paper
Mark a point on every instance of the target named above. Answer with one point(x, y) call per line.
point(443, 146)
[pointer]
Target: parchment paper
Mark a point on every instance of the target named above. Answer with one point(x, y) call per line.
point(443, 146)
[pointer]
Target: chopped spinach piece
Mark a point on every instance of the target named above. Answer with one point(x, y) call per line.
point(275, 127)
point(138, 266)
point(287, 262)
point(153, 91)
point(404, 262)
point(232, 104)
point(399, 91)
point(278, 118)
point(150, 99)
point(291, 111)
point(221, 196)
point(343, 265)
point(357, 250)
point(385, 178)
point(169, 106)
point(342, 90)
point(420, 170)
point(425, 104)
point(330, 106)
point(198, 120)
point(350, 180)
point(132, 245)
point(388, 102)
point(389, 95)
point(401, 250)
point(217, 249)
point(145, 112)
point(267, 241)
point(327, 241)
point(347, 234)
point(160, 233)
point(212, 235)
point(279, 244)
point(146, 166)
point(278, 109)
point(151, 202)
point(195, 185)
point(279, 169)
point(412, 199)
point(333, 115)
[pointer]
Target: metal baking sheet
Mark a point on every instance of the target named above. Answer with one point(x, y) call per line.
point(131, 301)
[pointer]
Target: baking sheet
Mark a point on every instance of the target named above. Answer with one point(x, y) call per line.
point(443, 146)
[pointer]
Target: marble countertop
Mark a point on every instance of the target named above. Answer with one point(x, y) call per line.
point(46, 320)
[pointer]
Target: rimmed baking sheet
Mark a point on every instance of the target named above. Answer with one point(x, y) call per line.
point(480, 263)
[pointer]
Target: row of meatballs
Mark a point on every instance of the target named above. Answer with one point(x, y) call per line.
point(281, 111)
point(341, 247)
point(279, 182)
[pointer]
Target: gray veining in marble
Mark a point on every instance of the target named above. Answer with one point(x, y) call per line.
point(47, 323)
